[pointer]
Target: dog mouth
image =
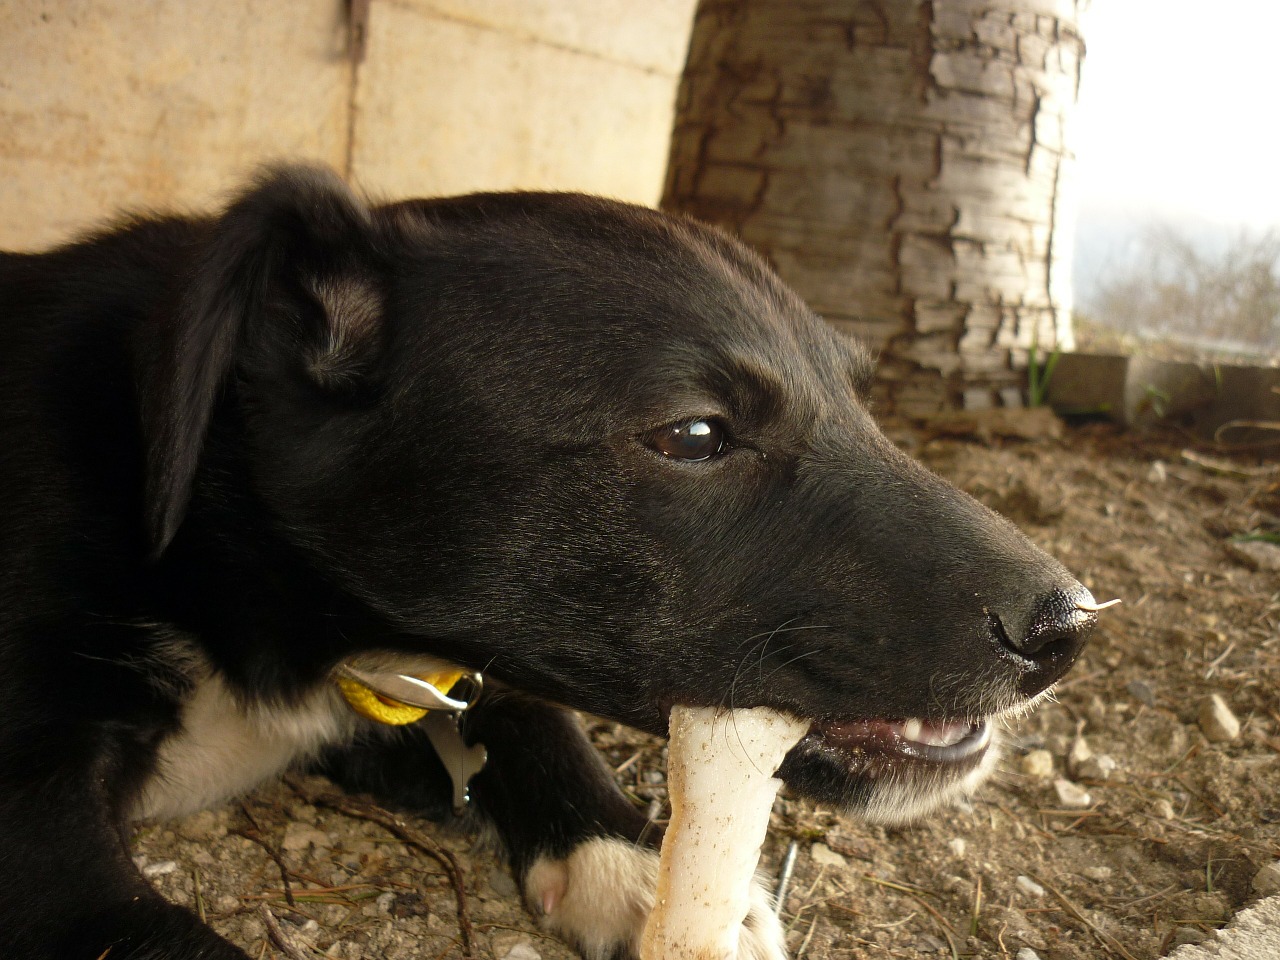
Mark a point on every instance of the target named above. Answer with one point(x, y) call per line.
point(938, 743)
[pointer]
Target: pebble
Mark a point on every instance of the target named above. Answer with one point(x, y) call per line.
point(1079, 753)
point(1098, 768)
point(1098, 873)
point(822, 854)
point(1184, 935)
point(1142, 691)
point(205, 825)
point(957, 846)
point(1029, 886)
point(502, 885)
point(161, 868)
point(1256, 554)
point(523, 950)
point(300, 836)
point(1037, 763)
point(1071, 795)
point(1267, 880)
point(1057, 744)
point(1217, 721)
point(1026, 953)
point(1163, 809)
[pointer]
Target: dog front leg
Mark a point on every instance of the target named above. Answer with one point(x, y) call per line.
point(68, 889)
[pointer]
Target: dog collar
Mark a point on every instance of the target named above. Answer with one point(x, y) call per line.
point(392, 698)
point(386, 696)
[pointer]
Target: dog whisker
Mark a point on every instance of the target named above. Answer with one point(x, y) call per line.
point(1095, 607)
point(795, 659)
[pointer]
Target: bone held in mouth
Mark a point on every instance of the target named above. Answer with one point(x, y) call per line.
point(720, 779)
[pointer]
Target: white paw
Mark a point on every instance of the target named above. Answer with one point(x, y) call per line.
point(599, 897)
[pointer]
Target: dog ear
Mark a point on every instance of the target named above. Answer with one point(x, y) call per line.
point(296, 230)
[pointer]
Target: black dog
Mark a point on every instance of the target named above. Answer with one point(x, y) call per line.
point(602, 455)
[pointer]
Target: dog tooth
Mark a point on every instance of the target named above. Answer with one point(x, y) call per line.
point(911, 729)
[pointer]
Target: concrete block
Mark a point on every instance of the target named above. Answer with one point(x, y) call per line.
point(1142, 390)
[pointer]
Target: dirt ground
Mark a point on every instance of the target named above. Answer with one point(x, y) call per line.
point(1164, 848)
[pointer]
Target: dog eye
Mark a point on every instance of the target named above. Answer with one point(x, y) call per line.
point(691, 440)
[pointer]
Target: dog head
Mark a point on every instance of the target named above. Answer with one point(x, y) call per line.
point(610, 458)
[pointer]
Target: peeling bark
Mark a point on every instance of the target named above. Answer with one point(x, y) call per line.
point(903, 164)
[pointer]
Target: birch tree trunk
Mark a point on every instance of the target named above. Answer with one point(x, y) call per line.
point(905, 165)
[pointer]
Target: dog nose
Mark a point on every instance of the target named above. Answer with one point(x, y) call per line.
point(1050, 634)
point(1062, 619)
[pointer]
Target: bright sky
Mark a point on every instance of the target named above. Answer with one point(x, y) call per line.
point(1180, 109)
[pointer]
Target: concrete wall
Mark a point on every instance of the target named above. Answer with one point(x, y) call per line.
point(126, 104)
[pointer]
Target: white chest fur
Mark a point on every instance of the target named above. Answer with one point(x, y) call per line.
point(226, 747)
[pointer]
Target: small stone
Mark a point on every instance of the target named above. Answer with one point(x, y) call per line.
point(1079, 753)
point(1029, 887)
point(957, 846)
point(1163, 809)
point(1267, 880)
point(161, 868)
point(1038, 764)
point(1058, 744)
point(502, 885)
point(1096, 711)
point(1026, 953)
point(303, 811)
point(1071, 795)
point(1097, 873)
point(300, 836)
point(824, 855)
point(205, 825)
point(1188, 935)
point(1157, 473)
point(524, 950)
point(928, 942)
point(1217, 722)
point(384, 901)
point(1142, 691)
point(1098, 768)
point(1256, 554)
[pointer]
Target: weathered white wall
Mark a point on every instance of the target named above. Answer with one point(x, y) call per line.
point(126, 104)
point(157, 103)
point(463, 95)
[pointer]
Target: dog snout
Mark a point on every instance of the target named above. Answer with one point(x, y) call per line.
point(1048, 633)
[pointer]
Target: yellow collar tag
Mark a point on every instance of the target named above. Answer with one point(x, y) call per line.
point(375, 706)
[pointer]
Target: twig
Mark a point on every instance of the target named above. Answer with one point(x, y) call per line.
point(915, 893)
point(277, 936)
point(199, 895)
point(977, 909)
point(254, 835)
point(808, 936)
point(1217, 661)
point(1109, 943)
point(389, 821)
point(1226, 466)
